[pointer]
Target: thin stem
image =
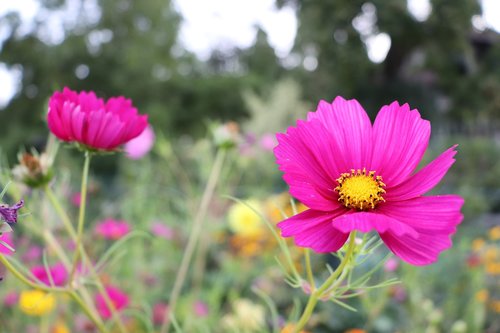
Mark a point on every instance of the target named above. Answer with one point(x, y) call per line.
point(194, 236)
point(88, 312)
point(315, 295)
point(81, 215)
point(27, 281)
point(310, 277)
point(60, 211)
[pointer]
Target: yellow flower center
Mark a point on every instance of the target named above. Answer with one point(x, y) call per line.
point(360, 189)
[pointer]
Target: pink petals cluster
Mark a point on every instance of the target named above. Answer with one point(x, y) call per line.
point(339, 137)
point(118, 298)
point(55, 275)
point(112, 229)
point(92, 122)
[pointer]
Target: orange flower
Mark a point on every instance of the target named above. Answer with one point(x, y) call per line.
point(482, 295)
point(494, 233)
point(289, 329)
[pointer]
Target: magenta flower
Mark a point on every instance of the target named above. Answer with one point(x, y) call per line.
point(7, 238)
point(88, 120)
point(138, 147)
point(161, 230)
point(357, 176)
point(112, 229)
point(9, 213)
point(57, 272)
point(119, 299)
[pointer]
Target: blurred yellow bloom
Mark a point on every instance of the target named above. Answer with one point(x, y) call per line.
point(495, 306)
point(278, 207)
point(36, 302)
point(477, 244)
point(493, 268)
point(289, 329)
point(490, 254)
point(60, 327)
point(494, 233)
point(246, 317)
point(482, 295)
point(243, 220)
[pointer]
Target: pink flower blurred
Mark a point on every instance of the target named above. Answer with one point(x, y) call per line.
point(57, 272)
point(391, 265)
point(33, 253)
point(268, 142)
point(10, 299)
point(161, 230)
point(88, 120)
point(7, 238)
point(141, 145)
point(119, 299)
point(200, 309)
point(160, 311)
point(112, 229)
point(357, 176)
point(76, 199)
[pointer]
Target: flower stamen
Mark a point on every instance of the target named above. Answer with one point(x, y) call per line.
point(360, 190)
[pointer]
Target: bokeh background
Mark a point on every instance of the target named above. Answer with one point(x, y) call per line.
point(263, 64)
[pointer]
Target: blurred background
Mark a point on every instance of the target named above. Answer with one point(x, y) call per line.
point(263, 64)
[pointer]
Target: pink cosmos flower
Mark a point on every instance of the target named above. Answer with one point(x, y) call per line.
point(119, 299)
point(88, 120)
point(141, 145)
point(357, 176)
point(161, 230)
point(10, 299)
point(7, 238)
point(200, 309)
point(159, 313)
point(112, 229)
point(57, 272)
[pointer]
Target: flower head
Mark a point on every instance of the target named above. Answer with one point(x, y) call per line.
point(92, 122)
point(36, 302)
point(243, 220)
point(112, 229)
point(141, 145)
point(119, 299)
point(9, 213)
point(56, 273)
point(34, 169)
point(357, 176)
point(6, 238)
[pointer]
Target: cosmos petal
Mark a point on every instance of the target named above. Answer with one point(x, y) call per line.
point(425, 179)
point(350, 128)
point(400, 138)
point(366, 222)
point(313, 229)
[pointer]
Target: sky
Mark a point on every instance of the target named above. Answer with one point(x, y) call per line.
point(220, 24)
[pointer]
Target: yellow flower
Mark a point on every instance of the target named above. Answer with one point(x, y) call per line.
point(60, 327)
point(491, 254)
point(477, 244)
point(493, 268)
point(243, 220)
point(495, 306)
point(482, 295)
point(246, 317)
point(36, 302)
point(494, 233)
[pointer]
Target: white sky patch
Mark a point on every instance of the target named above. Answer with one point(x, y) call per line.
point(420, 9)
point(491, 13)
point(378, 46)
point(10, 82)
point(222, 24)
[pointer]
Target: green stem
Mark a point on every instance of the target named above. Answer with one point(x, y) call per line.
point(194, 236)
point(60, 211)
point(27, 281)
point(316, 294)
point(88, 312)
point(307, 254)
point(81, 216)
point(91, 312)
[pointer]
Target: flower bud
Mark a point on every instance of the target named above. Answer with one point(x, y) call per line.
point(34, 169)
